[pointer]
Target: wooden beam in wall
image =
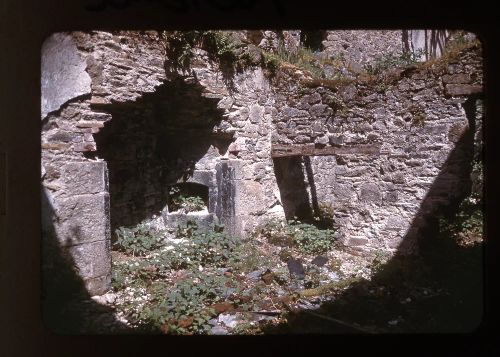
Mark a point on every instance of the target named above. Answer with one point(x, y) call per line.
point(311, 150)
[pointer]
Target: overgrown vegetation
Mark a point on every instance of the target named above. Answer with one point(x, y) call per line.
point(389, 61)
point(306, 237)
point(184, 203)
point(179, 289)
point(231, 55)
point(138, 240)
point(305, 59)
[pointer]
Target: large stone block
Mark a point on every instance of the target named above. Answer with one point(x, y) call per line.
point(204, 177)
point(249, 197)
point(462, 89)
point(203, 219)
point(370, 192)
point(93, 259)
point(99, 285)
point(456, 78)
point(63, 72)
point(85, 177)
point(83, 219)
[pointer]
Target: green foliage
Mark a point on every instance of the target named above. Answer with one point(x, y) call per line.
point(246, 258)
point(379, 260)
point(212, 247)
point(220, 45)
point(306, 237)
point(324, 215)
point(466, 226)
point(118, 279)
point(184, 203)
point(271, 62)
point(185, 308)
point(305, 59)
point(388, 61)
point(138, 240)
point(311, 239)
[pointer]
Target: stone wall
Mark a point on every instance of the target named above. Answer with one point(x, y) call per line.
point(418, 123)
point(362, 47)
point(131, 86)
point(146, 126)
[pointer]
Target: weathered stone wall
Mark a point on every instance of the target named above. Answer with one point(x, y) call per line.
point(76, 186)
point(124, 69)
point(359, 48)
point(147, 125)
point(420, 124)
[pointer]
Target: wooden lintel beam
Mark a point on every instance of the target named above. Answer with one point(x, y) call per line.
point(312, 150)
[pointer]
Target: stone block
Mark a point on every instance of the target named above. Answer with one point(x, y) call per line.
point(55, 146)
point(85, 177)
point(203, 219)
point(93, 259)
point(336, 140)
point(83, 219)
point(357, 241)
point(99, 285)
point(456, 78)
point(204, 177)
point(396, 223)
point(370, 192)
point(63, 72)
point(62, 136)
point(462, 89)
point(256, 113)
point(317, 110)
point(249, 197)
point(89, 124)
point(85, 146)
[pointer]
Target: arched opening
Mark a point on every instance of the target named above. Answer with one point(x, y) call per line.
point(153, 144)
point(188, 197)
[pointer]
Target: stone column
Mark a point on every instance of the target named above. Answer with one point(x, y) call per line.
point(79, 220)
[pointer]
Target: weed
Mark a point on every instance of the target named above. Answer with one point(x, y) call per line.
point(138, 240)
point(388, 61)
point(311, 239)
point(185, 309)
point(306, 237)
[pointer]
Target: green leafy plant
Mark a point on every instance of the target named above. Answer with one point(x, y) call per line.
point(306, 237)
point(467, 224)
point(186, 307)
point(183, 202)
point(388, 61)
point(311, 239)
point(189, 204)
point(138, 240)
point(212, 247)
point(306, 59)
point(324, 216)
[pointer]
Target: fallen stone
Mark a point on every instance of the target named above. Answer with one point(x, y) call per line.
point(296, 268)
point(218, 330)
point(319, 261)
point(255, 275)
point(267, 277)
point(229, 320)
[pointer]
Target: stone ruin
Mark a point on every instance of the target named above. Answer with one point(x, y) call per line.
point(122, 125)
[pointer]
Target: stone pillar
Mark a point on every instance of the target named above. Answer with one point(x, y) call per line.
point(79, 222)
point(225, 208)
